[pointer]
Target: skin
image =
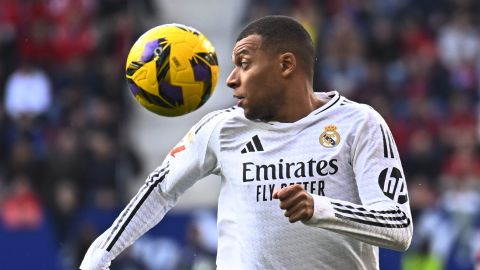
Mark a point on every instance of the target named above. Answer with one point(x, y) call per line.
point(269, 86)
point(296, 203)
point(273, 87)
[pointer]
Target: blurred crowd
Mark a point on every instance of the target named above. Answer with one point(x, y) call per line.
point(65, 159)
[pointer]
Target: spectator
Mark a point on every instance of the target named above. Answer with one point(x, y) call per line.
point(28, 92)
point(458, 41)
point(202, 242)
point(21, 208)
point(343, 67)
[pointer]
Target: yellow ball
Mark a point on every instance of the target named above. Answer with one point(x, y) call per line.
point(172, 69)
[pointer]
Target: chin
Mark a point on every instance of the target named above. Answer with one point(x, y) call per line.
point(249, 115)
point(255, 116)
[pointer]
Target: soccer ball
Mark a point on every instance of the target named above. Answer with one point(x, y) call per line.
point(172, 69)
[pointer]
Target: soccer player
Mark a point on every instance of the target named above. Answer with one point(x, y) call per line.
point(308, 180)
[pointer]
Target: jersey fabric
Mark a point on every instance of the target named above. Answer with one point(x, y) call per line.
point(342, 153)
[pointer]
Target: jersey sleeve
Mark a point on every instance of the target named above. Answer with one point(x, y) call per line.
point(190, 160)
point(383, 217)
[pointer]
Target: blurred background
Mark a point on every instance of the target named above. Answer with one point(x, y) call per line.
point(74, 146)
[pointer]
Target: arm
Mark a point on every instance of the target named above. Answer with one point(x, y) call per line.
point(191, 159)
point(383, 218)
point(477, 259)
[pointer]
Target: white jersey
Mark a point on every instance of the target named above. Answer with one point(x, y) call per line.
point(342, 153)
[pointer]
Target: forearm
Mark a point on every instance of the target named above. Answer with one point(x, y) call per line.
point(143, 212)
point(384, 225)
point(179, 171)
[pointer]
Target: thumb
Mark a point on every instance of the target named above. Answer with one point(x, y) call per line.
point(275, 193)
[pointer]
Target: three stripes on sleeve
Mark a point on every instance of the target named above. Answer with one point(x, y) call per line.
point(388, 218)
point(153, 180)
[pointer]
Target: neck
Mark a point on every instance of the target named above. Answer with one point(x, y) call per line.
point(299, 102)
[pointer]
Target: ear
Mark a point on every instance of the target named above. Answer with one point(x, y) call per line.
point(288, 63)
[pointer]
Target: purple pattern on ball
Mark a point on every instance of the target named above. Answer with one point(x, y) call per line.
point(133, 88)
point(201, 73)
point(171, 93)
point(147, 53)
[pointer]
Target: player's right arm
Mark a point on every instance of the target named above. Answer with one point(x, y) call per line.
point(190, 160)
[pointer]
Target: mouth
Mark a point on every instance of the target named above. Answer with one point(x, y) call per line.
point(239, 100)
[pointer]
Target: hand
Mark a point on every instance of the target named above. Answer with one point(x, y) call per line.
point(96, 258)
point(297, 203)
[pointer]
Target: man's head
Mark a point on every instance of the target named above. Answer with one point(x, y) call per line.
point(270, 56)
point(282, 34)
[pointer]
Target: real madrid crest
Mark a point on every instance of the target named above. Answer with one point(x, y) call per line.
point(330, 137)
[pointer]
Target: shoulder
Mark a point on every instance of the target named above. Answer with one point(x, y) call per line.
point(363, 112)
point(216, 118)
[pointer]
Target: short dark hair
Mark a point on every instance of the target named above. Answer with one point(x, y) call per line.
point(283, 34)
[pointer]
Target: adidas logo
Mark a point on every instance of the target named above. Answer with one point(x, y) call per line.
point(253, 146)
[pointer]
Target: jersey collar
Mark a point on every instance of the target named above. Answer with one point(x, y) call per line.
point(331, 99)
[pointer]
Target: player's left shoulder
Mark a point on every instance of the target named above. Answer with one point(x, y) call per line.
point(360, 109)
point(360, 114)
point(366, 112)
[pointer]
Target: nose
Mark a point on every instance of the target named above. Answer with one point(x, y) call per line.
point(233, 80)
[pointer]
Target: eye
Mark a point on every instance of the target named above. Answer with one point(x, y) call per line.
point(244, 64)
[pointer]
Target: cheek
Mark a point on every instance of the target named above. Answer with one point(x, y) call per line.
point(262, 84)
point(269, 89)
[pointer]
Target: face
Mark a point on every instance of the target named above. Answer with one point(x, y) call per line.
point(256, 79)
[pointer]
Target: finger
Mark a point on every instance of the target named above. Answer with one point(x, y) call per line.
point(299, 213)
point(287, 191)
point(295, 209)
point(294, 218)
point(275, 194)
point(303, 213)
point(293, 200)
point(302, 210)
